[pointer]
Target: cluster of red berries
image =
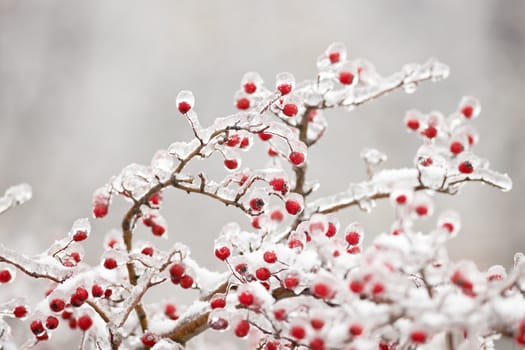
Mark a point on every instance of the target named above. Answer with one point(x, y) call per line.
point(151, 221)
point(178, 276)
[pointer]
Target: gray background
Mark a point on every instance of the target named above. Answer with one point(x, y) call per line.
point(89, 87)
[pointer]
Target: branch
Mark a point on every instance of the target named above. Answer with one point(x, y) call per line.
point(380, 186)
point(36, 267)
point(15, 195)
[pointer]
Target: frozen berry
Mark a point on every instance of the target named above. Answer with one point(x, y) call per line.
point(57, 305)
point(293, 207)
point(222, 253)
point(346, 78)
point(466, 167)
point(250, 87)
point(149, 339)
point(51, 322)
point(297, 158)
point(184, 107)
point(110, 263)
point(290, 110)
point(243, 103)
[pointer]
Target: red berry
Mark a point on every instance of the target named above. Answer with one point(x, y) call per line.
point(465, 167)
point(147, 251)
point(422, 210)
point(346, 78)
point(107, 293)
point(57, 305)
point(66, 315)
point(456, 147)
point(170, 311)
point(20, 311)
point(256, 204)
point(317, 323)
point(242, 328)
point(80, 296)
point(298, 332)
point(279, 314)
point(231, 164)
point(296, 158)
point(75, 256)
point(355, 330)
point(222, 253)
point(112, 243)
point(51, 322)
point(332, 230)
point(233, 140)
point(413, 124)
point(427, 162)
point(448, 226)
point(271, 345)
point(467, 111)
point(186, 281)
point(293, 207)
point(401, 199)
point(279, 185)
point(177, 270)
point(291, 281)
point(184, 107)
point(241, 268)
point(285, 89)
point(79, 236)
point(149, 339)
point(5, 276)
point(97, 291)
point(72, 323)
point(418, 337)
point(110, 263)
point(218, 303)
point(378, 288)
point(272, 152)
point(334, 57)
point(246, 298)
point(295, 243)
point(520, 338)
point(317, 344)
point(158, 230)
point(100, 210)
point(322, 291)
point(147, 221)
point(250, 88)
point(37, 327)
point(263, 273)
point(243, 103)
point(245, 142)
point(255, 223)
point(353, 238)
point(354, 250)
point(290, 109)
point(357, 287)
point(155, 198)
point(277, 215)
point(430, 132)
point(270, 257)
point(265, 136)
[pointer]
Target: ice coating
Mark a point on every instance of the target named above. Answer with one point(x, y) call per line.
point(15, 195)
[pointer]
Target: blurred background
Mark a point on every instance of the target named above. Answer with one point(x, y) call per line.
point(87, 87)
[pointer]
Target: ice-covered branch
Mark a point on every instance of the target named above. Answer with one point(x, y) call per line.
point(382, 184)
point(15, 195)
point(40, 266)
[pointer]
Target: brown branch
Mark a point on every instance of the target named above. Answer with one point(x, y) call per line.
point(28, 262)
point(300, 171)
